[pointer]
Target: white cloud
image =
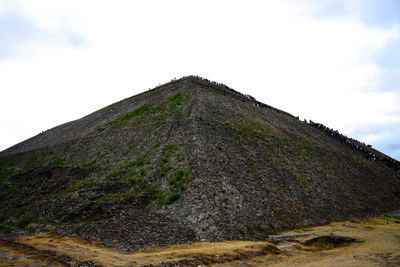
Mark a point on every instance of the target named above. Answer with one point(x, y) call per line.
point(319, 68)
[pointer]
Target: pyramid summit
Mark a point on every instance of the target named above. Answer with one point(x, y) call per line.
point(186, 161)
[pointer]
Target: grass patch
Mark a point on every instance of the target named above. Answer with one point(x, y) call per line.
point(169, 149)
point(25, 221)
point(142, 172)
point(6, 193)
point(240, 230)
point(5, 174)
point(164, 159)
point(160, 118)
point(60, 193)
point(112, 196)
point(180, 156)
point(140, 161)
point(159, 197)
point(176, 99)
point(83, 183)
point(19, 212)
point(174, 196)
point(302, 178)
point(164, 171)
point(136, 112)
point(179, 180)
point(58, 161)
point(89, 164)
point(87, 203)
point(5, 228)
point(163, 199)
point(157, 145)
point(138, 185)
point(32, 161)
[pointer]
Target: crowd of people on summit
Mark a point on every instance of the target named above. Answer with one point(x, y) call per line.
point(354, 144)
point(244, 96)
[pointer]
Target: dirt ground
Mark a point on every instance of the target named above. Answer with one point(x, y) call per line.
point(377, 244)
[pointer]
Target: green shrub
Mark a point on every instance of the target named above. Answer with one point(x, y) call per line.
point(170, 147)
point(174, 101)
point(177, 98)
point(57, 161)
point(62, 192)
point(139, 184)
point(5, 228)
point(302, 178)
point(25, 221)
point(32, 161)
point(174, 196)
point(178, 181)
point(240, 230)
point(157, 145)
point(87, 203)
point(83, 183)
point(181, 156)
point(259, 228)
point(5, 174)
point(89, 164)
point(131, 179)
point(139, 180)
point(142, 172)
point(6, 193)
point(160, 197)
point(179, 174)
point(19, 212)
point(164, 171)
point(140, 161)
point(112, 196)
point(164, 159)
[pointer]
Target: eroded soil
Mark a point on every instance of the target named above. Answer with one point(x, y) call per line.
point(371, 242)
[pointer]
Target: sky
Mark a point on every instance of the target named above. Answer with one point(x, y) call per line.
point(336, 62)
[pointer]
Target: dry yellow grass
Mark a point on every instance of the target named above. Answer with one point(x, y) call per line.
point(84, 251)
point(380, 246)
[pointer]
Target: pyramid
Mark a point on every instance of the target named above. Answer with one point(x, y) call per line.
point(190, 160)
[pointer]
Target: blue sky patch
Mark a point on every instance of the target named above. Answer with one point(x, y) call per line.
point(15, 31)
point(378, 14)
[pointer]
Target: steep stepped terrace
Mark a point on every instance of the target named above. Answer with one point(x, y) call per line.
point(185, 162)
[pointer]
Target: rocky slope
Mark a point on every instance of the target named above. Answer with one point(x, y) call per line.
point(189, 160)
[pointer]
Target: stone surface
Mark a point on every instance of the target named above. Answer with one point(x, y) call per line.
point(188, 161)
